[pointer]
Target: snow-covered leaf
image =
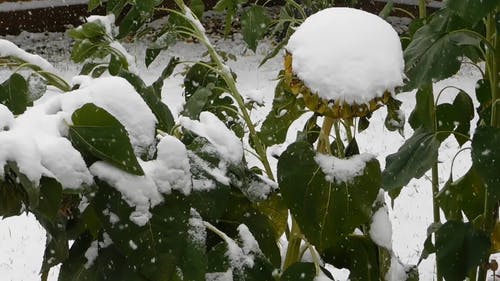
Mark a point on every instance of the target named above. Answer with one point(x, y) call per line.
point(99, 134)
point(326, 211)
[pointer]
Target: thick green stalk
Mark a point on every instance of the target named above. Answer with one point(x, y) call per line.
point(324, 136)
point(225, 73)
point(422, 9)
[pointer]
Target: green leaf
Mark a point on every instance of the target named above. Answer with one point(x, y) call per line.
point(11, 199)
point(254, 23)
point(325, 211)
point(14, 94)
point(115, 6)
point(108, 265)
point(83, 50)
point(196, 103)
point(56, 247)
point(472, 10)
point(98, 133)
point(159, 248)
point(198, 7)
point(93, 4)
point(24, 184)
point(115, 65)
point(483, 95)
point(415, 157)
point(436, 50)
point(358, 254)
point(286, 109)
point(92, 30)
point(50, 198)
point(422, 115)
point(459, 249)
point(151, 55)
point(486, 158)
point(466, 194)
point(445, 120)
point(299, 271)
point(464, 113)
point(395, 119)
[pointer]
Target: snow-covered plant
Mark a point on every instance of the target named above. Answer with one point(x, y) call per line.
point(140, 194)
point(463, 31)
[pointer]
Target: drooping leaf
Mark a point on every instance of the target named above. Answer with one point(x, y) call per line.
point(286, 109)
point(395, 119)
point(466, 194)
point(464, 113)
point(299, 271)
point(459, 248)
point(422, 115)
point(196, 103)
point(56, 246)
point(98, 133)
point(472, 10)
point(358, 254)
point(436, 49)
point(325, 210)
point(254, 24)
point(415, 157)
point(486, 158)
point(50, 198)
point(14, 94)
point(11, 199)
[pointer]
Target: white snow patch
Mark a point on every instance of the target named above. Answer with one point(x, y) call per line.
point(250, 245)
point(6, 118)
point(396, 271)
point(228, 145)
point(219, 276)
point(342, 170)
point(132, 245)
point(347, 54)
point(9, 49)
point(381, 228)
point(197, 230)
point(171, 168)
point(91, 254)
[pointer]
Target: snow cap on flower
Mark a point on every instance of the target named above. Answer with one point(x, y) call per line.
point(347, 55)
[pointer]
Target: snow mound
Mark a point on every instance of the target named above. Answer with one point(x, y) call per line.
point(347, 54)
point(342, 170)
point(9, 49)
point(224, 140)
point(119, 98)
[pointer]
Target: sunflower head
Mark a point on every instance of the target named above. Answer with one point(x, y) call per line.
point(344, 63)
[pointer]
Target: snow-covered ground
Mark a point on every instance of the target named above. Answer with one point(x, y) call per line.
point(22, 240)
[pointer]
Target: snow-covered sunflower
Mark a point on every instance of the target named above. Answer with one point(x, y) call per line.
point(344, 62)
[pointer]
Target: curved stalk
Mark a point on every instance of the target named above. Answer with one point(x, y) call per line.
point(224, 71)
